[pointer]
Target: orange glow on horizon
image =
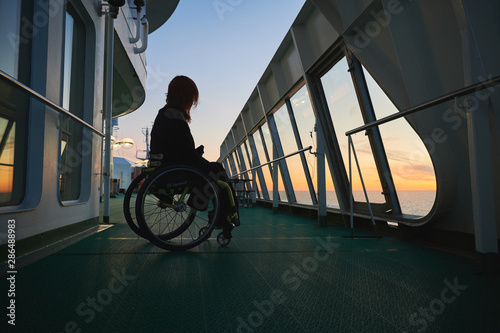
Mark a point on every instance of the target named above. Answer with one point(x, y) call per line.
point(421, 181)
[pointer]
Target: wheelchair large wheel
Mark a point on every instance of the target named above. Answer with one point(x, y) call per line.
point(177, 207)
point(129, 204)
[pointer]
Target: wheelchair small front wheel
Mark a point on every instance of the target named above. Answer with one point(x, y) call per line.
point(223, 241)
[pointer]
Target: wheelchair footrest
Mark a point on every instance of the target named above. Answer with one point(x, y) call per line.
point(233, 219)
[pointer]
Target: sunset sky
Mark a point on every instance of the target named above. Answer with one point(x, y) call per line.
point(225, 53)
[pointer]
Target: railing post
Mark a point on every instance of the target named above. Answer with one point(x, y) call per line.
point(254, 188)
point(110, 33)
point(351, 200)
point(275, 188)
point(351, 145)
point(321, 170)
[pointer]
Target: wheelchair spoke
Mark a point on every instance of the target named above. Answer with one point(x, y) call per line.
point(172, 207)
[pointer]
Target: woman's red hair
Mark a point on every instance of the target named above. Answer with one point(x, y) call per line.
point(182, 94)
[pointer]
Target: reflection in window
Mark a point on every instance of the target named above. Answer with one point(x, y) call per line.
point(269, 181)
point(305, 120)
point(294, 163)
point(247, 165)
point(331, 195)
point(253, 175)
point(267, 140)
point(410, 163)
point(262, 159)
point(244, 165)
point(346, 115)
point(269, 147)
point(227, 167)
point(304, 116)
point(281, 188)
point(68, 60)
point(231, 166)
point(13, 121)
point(10, 36)
point(15, 58)
point(235, 162)
point(7, 145)
point(72, 139)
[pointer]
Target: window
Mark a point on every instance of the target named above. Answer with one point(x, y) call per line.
point(410, 163)
point(244, 159)
point(7, 152)
point(304, 115)
point(255, 174)
point(234, 164)
point(248, 165)
point(264, 129)
point(267, 143)
point(225, 163)
point(305, 121)
point(277, 167)
point(72, 138)
point(331, 195)
point(265, 181)
point(10, 37)
point(294, 163)
point(14, 105)
point(346, 115)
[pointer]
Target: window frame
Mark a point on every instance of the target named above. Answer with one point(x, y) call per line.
point(84, 149)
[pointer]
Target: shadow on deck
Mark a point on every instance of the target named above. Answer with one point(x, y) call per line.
point(281, 273)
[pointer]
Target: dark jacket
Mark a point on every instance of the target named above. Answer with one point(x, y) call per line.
point(172, 137)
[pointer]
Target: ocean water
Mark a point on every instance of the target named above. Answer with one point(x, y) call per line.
point(417, 203)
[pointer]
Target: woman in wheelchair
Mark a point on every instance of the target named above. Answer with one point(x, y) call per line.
point(173, 144)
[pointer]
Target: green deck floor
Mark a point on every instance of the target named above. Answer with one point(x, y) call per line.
point(280, 273)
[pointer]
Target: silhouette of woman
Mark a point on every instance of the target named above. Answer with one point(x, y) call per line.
point(172, 143)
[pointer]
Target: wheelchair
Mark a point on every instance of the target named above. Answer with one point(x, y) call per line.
point(177, 207)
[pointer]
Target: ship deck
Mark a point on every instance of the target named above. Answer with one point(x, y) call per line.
point(280, 273)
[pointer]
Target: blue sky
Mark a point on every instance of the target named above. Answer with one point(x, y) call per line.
point(224, 46)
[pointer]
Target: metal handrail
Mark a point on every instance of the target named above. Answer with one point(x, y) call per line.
point(457, 93)
point(48, 102)
point(273, 161)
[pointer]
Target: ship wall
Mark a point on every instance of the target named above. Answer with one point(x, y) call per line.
point(43, 215)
